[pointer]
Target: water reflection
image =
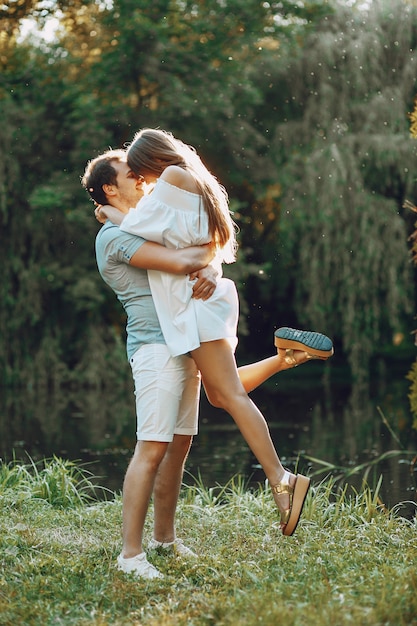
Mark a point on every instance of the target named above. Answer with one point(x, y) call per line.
point(309, 418)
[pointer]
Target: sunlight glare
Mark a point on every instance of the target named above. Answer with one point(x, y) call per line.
point(29, 28)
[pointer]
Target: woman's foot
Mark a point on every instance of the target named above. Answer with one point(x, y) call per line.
point(292, 358)
point(289, 495)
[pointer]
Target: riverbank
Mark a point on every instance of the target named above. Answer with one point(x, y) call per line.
point(350, 561)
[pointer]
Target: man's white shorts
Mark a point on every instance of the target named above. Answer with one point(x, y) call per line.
point(167, 391)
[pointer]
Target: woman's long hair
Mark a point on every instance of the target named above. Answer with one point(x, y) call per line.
point(152, 150)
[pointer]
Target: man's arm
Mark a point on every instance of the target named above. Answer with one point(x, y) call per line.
point(153, 256)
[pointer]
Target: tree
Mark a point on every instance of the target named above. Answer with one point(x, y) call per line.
point(110, 69)
point(343, 160)
point(272, 95)
point(46, 299)
point(412, 374)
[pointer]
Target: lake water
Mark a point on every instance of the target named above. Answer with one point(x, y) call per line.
point(314, 420)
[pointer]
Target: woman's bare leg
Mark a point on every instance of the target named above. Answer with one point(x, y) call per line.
point(217, 365)
point(254, 374)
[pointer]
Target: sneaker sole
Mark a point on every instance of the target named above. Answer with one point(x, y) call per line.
point(316, 344)
point(157, 575)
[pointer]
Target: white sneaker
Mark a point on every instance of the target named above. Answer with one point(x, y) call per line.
point(139, 566)
point(177, 547)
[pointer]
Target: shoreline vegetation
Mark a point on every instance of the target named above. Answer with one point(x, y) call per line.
point(351, 560)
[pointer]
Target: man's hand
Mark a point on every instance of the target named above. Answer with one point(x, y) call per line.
point(206, 282)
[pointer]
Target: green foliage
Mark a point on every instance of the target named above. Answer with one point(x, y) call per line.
point(58, 482)
point(350, 256)
point(412, 376)
point(299, 108)
point(349, 562)
point(344, 155)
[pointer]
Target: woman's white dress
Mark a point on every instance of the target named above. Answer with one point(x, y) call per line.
point(177, 219)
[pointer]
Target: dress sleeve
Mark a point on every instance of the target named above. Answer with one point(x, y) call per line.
point(146, 220)
point(169, 216)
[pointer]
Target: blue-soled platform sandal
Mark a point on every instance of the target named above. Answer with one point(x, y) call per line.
point(316, 345)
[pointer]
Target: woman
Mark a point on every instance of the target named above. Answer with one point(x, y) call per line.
point(187, 206)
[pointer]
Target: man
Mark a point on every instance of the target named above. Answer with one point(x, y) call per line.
point(166, 388)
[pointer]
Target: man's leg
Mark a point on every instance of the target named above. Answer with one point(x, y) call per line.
point(167, 488)
point(157, 379)
point(169, 478)
point(137, 489)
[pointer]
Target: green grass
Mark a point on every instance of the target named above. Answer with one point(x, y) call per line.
point(57, 481)
point(349, 562)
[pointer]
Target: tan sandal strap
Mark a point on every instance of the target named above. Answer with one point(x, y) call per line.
point(290, 358)
point(311, 357)
point(285, 516)
point(284, 485)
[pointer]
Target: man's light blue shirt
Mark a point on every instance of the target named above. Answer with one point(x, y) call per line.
point(114, 249)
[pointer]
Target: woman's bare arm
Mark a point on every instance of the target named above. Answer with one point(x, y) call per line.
point(153, 256)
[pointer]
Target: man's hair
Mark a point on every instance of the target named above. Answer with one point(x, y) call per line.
point(99, 172)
